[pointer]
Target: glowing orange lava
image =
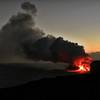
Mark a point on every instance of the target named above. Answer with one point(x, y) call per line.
point(83, 64)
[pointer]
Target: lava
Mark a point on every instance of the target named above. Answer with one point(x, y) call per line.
point(83, 64)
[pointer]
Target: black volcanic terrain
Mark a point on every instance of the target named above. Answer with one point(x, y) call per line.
point(66, 86)
point(78, 86)
point(13, 74)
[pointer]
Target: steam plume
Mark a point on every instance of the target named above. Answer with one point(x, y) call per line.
point(28, 7)
point(19, 29)
point(21, 38)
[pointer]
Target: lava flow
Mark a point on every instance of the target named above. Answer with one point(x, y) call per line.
point(82, 63)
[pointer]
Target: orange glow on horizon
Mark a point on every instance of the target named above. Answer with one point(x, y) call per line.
point(91, 47)
point(92, 50)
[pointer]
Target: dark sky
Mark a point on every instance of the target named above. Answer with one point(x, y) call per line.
point(75, 20)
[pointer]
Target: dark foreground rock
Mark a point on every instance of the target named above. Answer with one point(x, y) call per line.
point(78, 86)
point(86, 86)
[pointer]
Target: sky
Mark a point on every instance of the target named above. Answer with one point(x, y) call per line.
point(74, 20)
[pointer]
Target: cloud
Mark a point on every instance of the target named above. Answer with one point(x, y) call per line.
point(29, 8)
point(19, 29)
point(20, 38)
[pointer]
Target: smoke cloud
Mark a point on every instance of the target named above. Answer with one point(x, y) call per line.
point(20, 38)
point(19, 29)
point(29, 8)
point(53, 49)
